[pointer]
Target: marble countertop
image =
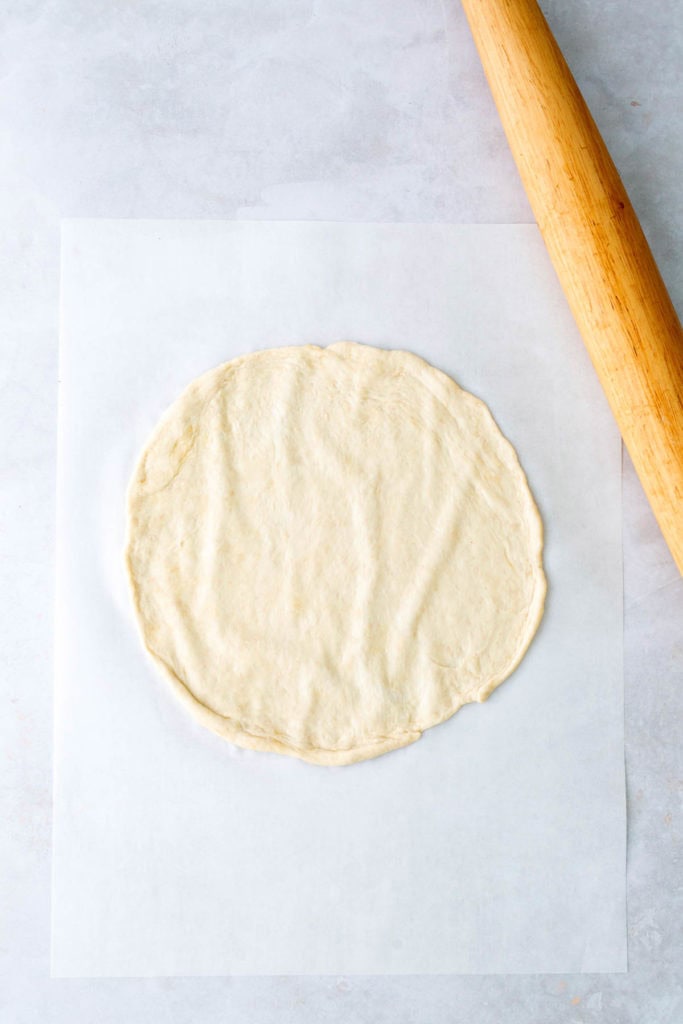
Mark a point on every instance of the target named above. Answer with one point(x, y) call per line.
point(323, 110)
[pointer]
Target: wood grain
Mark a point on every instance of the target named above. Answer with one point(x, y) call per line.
point(599, 251)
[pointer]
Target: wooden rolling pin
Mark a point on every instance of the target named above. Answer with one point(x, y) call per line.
point(596, 244)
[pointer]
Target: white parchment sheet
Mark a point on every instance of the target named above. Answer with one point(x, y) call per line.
point(494, 844)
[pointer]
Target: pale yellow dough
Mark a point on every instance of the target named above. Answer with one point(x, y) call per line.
point(331, 550)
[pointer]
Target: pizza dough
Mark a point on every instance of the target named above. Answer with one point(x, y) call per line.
point(331, 550)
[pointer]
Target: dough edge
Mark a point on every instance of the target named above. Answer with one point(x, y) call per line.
point(443, 387)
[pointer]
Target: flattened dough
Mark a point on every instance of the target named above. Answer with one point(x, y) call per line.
point(331, 550)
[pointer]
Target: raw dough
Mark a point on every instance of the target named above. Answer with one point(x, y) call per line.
point(331, 550)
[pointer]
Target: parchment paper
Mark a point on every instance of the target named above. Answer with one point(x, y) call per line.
point(494, 844)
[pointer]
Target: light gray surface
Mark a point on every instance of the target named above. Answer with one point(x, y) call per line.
point(302, 109)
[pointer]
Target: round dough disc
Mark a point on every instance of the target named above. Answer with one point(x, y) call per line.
point(331, 550)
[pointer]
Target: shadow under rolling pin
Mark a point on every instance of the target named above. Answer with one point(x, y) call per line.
point(596, 244)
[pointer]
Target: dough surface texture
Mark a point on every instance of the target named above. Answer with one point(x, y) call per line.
point(331, 550)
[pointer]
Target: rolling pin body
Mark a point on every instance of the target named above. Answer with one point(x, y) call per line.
point(599, 251)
